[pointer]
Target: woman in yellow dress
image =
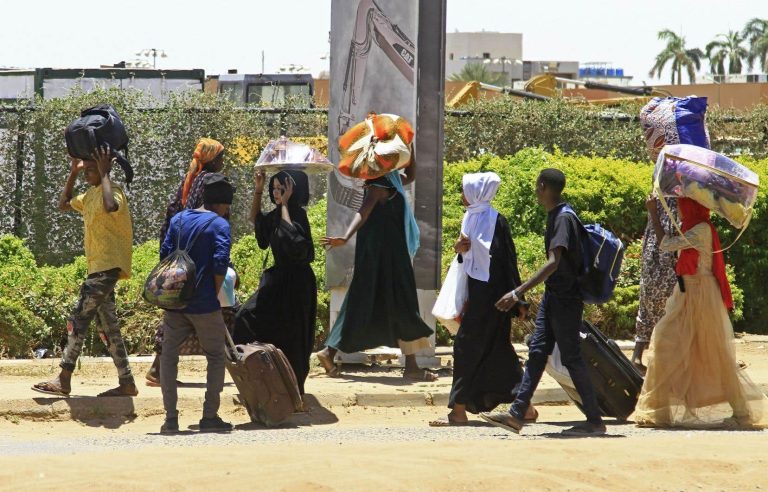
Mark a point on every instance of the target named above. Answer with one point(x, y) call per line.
point(693, 377)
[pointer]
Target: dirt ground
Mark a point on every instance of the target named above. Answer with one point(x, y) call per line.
point(357, 448)
point(343, 447)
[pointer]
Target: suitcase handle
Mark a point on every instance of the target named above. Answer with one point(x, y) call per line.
point(233, 352)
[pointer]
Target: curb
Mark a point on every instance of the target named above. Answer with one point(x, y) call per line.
point(90, 407)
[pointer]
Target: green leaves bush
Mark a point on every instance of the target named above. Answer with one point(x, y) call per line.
point(19, 329)
point(606, 190)
point(36, 301)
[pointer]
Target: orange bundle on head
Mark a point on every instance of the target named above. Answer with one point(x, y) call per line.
point(375, 147)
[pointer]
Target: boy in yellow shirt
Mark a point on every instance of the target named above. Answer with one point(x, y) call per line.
point(108, 241)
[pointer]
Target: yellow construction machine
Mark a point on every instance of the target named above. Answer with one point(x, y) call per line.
point(547, 86)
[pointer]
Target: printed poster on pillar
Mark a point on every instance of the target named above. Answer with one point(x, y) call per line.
point(374, 68)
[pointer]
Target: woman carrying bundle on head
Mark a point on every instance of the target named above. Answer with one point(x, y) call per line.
point(693, 378)
point(381, 307)
point(486, 368)
point(207, 158)
point(283, 310)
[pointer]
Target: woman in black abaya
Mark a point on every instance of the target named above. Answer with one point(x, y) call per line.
point(283, 310)
point(486, 368)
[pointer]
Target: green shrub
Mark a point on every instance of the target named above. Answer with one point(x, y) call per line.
point(20, 329)
point(138, 319)
point(749, 256)
point(612, 192)
point(505, 126)
point(14, 251)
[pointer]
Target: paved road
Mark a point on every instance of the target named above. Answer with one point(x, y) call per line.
point(250, 434)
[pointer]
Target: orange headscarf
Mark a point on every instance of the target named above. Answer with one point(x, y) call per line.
point(206, 151)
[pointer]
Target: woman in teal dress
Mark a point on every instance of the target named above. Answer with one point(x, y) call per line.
point(381, 307)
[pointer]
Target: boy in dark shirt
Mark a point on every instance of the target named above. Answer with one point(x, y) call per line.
point(210, 252)
point(560, 313)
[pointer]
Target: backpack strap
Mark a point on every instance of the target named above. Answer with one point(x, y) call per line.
point(583, 235)
point(191, 240)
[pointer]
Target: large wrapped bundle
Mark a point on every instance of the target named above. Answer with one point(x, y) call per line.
point(283, 154)
point(715, 181)
point(375, 147)
point(674, 120)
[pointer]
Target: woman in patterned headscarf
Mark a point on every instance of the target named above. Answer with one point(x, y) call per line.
point(208, 157)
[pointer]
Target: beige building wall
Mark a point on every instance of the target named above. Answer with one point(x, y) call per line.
point(736, 96)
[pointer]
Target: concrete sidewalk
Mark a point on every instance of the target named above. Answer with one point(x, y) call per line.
point(377, 386)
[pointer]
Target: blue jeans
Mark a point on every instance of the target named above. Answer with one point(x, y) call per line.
point(558, 320)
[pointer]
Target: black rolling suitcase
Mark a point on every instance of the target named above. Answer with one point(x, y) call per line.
point(617, 383)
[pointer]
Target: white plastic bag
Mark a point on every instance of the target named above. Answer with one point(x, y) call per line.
point(453, 296)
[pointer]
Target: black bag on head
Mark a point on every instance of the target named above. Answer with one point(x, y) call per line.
point(97, 126)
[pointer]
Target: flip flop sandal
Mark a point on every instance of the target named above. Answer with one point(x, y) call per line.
point(447, 423)
point(334, 371)
point(47, 391)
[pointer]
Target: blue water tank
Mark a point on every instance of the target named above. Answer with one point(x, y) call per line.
point(601, 72)
point(619, 72)
point(611, 72)
point(582, 72)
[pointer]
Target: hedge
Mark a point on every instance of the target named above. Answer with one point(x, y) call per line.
point(32, 150)
point(606, 190)
point(504, 126)
point(36, 301)
point(33, 161)
point(609, 191)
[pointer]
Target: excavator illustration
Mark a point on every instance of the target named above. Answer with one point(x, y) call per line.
point(372, 26)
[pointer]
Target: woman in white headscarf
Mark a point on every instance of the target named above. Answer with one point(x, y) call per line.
point(486, 369)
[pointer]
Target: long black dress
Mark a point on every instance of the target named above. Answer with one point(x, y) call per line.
point(284, 308)
point(381, 307)
point(486, 368)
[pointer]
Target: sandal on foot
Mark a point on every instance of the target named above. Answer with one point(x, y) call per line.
point(423, 375)
point(331, 369)
point(447, 422)
point(50, 388)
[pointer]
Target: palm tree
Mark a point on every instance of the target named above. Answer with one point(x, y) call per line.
point(680, 57)
point(756, 32)
point(728, 46)
point(480, 73)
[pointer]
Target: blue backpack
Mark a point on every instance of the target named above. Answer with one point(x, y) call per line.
point(602, 254)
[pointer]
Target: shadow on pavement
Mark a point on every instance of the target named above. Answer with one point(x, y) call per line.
point(93, 411)
point(316, 414)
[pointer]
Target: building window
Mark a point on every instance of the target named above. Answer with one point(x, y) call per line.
point(486, 56)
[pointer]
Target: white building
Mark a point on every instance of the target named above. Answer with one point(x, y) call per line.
point(500, 51)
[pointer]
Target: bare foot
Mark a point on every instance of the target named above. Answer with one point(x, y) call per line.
point(531, 415)
point(125, 389)
point(420, 375)
point(449, 421)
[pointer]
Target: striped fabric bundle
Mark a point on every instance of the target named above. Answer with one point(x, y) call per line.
point(375, 147)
